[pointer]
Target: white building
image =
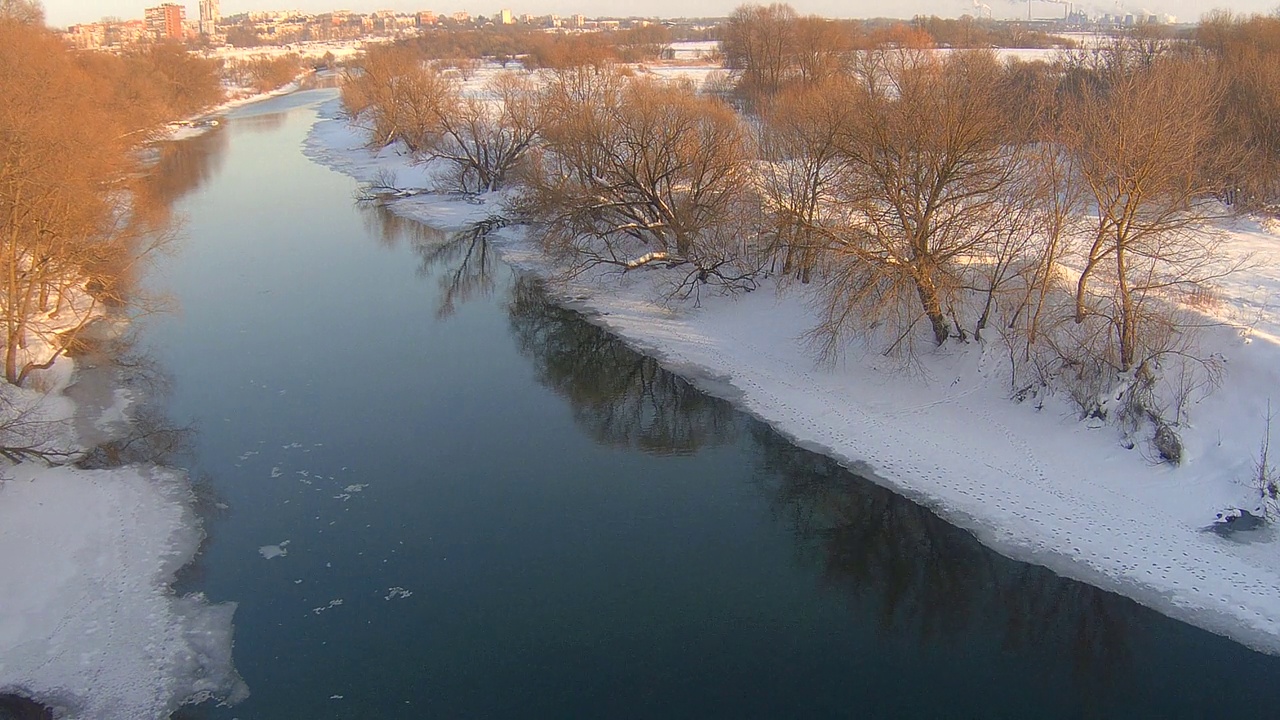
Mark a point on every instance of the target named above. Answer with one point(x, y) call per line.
point(209, 16)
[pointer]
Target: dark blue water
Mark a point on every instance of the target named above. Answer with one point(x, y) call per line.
point(494, 509)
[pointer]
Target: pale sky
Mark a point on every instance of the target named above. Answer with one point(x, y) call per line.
point(61, 13)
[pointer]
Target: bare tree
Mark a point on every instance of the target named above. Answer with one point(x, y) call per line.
point(1246, 51)
point(797, 138)
point(821, 46)
point(398, 96)
point(484, 138)
point(27, 12)
point(927, 187)
point(1150, 174)
point(641, 171)
point(58, 223)
point(758, 42)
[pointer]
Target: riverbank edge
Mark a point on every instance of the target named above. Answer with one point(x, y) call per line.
point(92, 626)
point(1047, 490)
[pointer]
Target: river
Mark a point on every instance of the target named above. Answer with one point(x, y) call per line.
point(434, 494)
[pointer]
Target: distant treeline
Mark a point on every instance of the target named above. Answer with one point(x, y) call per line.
point(537, 49)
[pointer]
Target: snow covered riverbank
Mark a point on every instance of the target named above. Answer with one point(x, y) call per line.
point(1034, 483)
point(90, 626)
point(89, 623)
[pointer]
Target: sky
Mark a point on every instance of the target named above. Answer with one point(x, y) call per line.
point(60, 13)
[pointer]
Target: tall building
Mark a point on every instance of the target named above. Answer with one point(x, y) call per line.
point(165, 21)
point(209, 17)
point(505, 17)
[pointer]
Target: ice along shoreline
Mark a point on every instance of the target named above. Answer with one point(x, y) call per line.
point(1035, 485)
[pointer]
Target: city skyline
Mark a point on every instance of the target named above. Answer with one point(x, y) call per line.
point(61, 13)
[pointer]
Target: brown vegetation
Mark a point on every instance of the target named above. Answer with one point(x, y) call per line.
point(263, 73)
point(481, 138)
point(636, 171)
point(71, 231)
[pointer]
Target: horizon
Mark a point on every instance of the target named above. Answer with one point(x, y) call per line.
point(62, 13)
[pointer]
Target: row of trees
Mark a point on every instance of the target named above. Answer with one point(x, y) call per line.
point(536, 48)
point(74, 221)
point(772, 46)
point(923, 197)
point(262, 73)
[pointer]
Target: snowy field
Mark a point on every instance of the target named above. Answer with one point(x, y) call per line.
point(1035, 484)
point(311, 50)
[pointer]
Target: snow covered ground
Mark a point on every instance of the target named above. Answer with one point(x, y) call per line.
point(89, 624)
point(1035, 484)
point(236, 97)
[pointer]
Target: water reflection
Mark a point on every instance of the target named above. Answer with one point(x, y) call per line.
point(926, 579)
point(462, 261)
point(469, 267)
point(917, 578)
point(262, 122)
point(180, 168)
point(390, 228)
point(150, 436)
point(920, 579)
point(619, 396)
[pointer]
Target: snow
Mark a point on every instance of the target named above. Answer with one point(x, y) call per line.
point(310, 50)
point(89, 624)
point(1031, 482)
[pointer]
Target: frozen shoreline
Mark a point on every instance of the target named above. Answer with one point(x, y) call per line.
point(1036, 485)
point(90, 625)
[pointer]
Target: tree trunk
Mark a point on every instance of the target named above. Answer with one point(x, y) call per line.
point(1127, 320)
point(932, 307)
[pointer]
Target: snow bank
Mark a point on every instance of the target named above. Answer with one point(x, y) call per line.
point(1034, 484)
point(90, 625)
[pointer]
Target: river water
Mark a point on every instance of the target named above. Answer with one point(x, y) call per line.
point(434, 494)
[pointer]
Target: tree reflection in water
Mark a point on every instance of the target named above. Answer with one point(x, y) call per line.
point(462, 260)
point(390, 228)
point(180, 167)
point(619, 396)
point(150, 437)
point(924, 578)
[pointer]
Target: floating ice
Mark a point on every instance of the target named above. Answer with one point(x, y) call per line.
point(397, 593)
point(332, 604)
point(274, 551)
